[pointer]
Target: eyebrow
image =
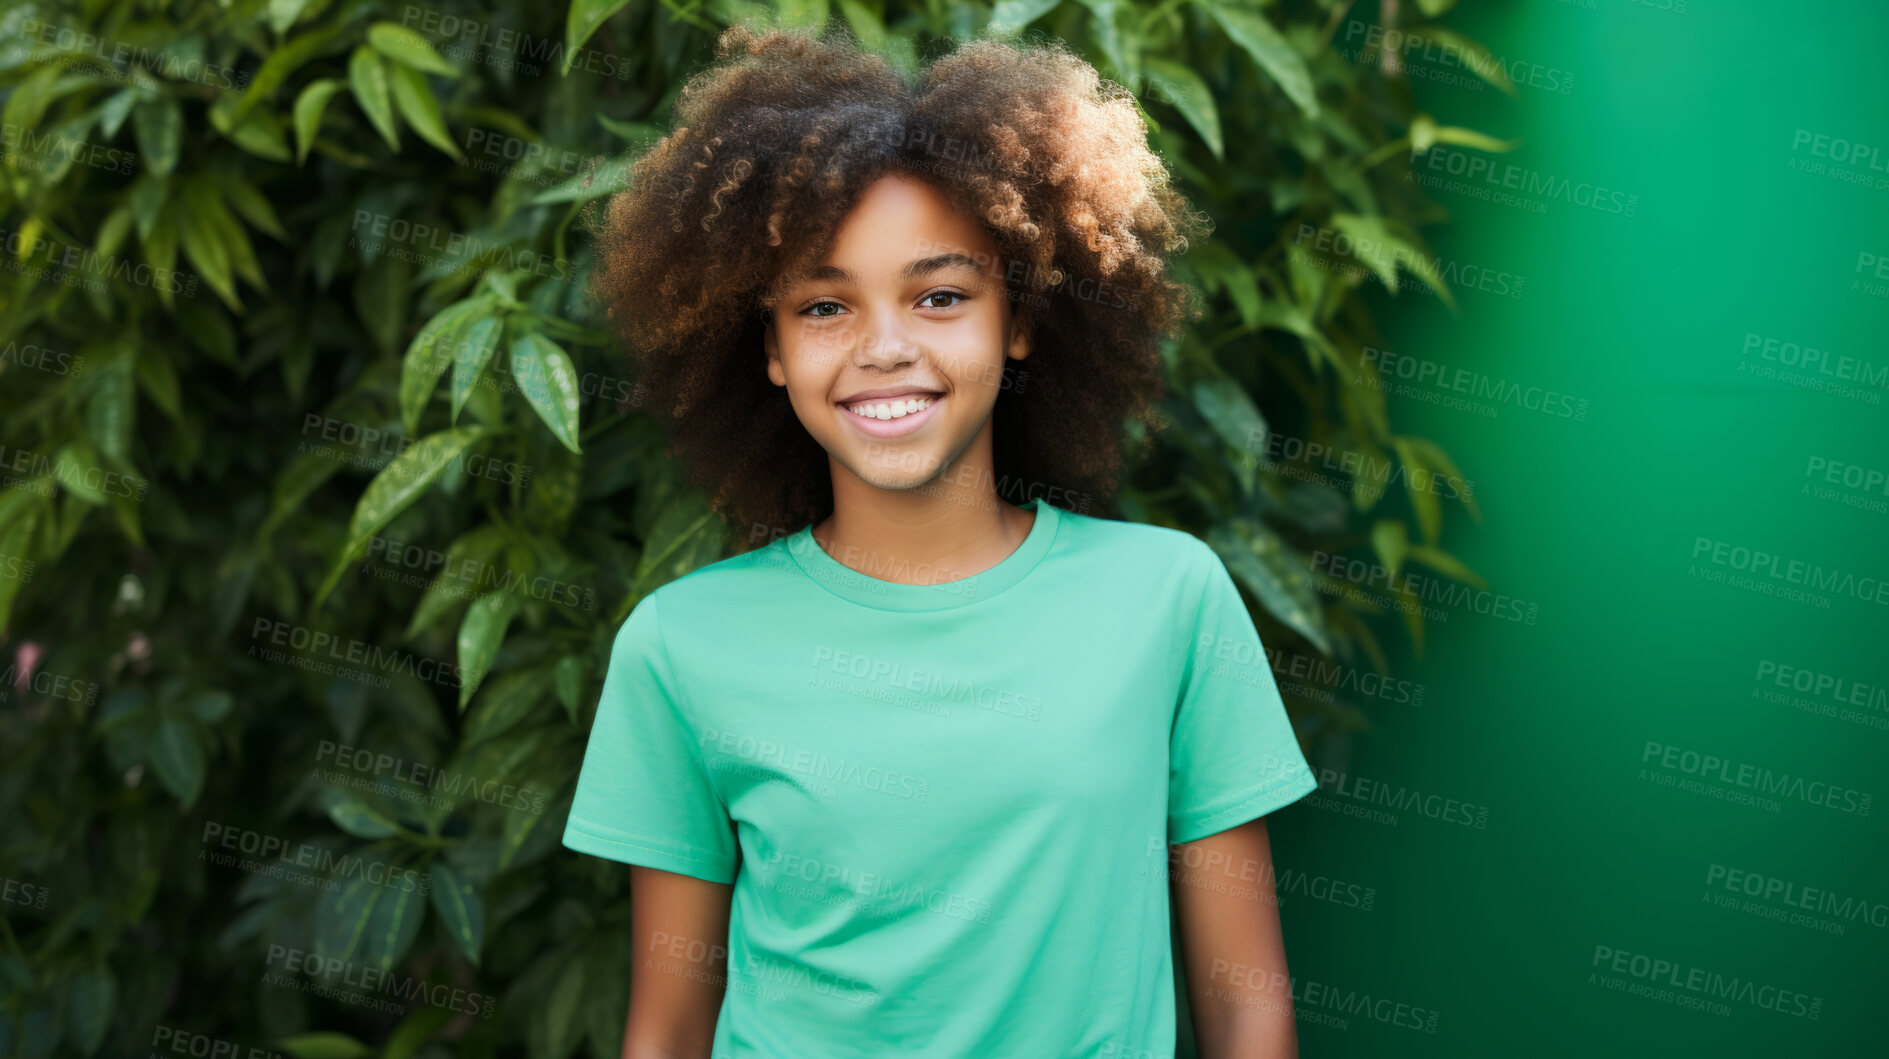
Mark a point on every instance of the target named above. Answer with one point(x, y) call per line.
point(923, 266)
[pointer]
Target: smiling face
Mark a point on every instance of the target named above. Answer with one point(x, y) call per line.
point(892, 348)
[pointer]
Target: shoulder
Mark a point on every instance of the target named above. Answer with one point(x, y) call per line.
point(1135, 543)
point(720, 587)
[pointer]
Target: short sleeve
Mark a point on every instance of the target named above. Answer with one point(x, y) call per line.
point(1232, 755)
point(643, 794)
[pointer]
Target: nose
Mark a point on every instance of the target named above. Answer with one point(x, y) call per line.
point(883, 342)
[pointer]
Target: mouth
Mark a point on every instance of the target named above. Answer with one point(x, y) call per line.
point(890, 417)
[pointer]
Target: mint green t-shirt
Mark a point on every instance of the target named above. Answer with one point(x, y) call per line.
point(945, 809)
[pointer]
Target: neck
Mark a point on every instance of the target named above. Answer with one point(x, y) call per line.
point(944, 530)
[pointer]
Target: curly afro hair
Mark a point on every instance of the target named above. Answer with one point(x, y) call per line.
point(772, 145)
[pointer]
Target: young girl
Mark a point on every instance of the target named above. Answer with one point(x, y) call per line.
point(914, 776)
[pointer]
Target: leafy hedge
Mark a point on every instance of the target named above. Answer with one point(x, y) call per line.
point(325, 489)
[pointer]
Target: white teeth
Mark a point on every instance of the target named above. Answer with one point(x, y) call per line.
point(889, 409)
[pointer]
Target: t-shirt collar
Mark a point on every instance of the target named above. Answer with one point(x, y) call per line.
point(847, 583)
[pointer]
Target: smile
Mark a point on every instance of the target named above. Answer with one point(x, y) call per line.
point(893, 418)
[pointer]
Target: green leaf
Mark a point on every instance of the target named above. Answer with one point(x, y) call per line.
point(460, 908)
point(607, 178)
point(1473, 56)
point(308, 110)
point(570, 683)
point(1270, 51)
point(1439, 559)
point(91, 1003)
point(408, 49)
point(581, 21)
point(370, 923)
point(1181, 88)
point(324, 1045)
point(505, 702)
point(472, 552)
point(471, 357)
point(279, 65)
point(367, 76)
point(210, 706)
point(398, 485)
point(159, 128)
point(563, 1025)
point(415, 99)
point(111, 414)
point(1391, 542)
point(1008, 17)
point(177, 754)
point(283, 14)
point(480, 634)
point(76, 467)
point(204, 246)
point(360, 821)
point(436, 346)
point(1256, 557)
point(549, 382)
point(1229, 409)
point(254, 206)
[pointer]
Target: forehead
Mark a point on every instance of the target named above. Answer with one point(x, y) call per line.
point(897, 221)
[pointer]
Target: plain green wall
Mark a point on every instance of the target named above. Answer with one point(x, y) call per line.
point(1697, 113)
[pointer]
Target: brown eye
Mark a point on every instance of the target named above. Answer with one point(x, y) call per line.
point(942, 294)
point(809, 310)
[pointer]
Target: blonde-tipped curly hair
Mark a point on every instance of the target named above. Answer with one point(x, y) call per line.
point(773, 144)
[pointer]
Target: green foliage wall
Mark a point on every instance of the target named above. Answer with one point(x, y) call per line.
point(325, 489)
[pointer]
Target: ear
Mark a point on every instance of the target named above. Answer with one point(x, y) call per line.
point(774, 372)
point(1019, 346)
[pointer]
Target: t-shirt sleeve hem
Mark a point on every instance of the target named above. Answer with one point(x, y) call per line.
point(612, 846)
point(1198, 824)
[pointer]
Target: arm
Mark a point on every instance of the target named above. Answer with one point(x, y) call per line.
point(679, 925)
point(1235, 957)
